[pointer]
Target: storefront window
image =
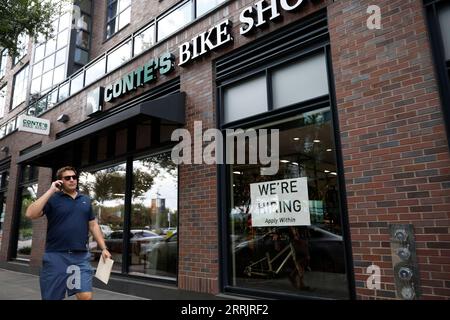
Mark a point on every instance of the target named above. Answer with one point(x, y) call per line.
point(304, 255)
point(3, 188)
point(25, 240)
point(107, 190)
point(154, 217)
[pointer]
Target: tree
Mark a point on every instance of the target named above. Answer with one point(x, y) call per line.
point(32, 17)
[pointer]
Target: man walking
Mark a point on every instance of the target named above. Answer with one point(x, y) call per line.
point(67, 258)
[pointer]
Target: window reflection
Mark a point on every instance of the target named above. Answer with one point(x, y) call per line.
point(25, 238)
point(307, 259)
point(174, 20)
point(143, 40)
point(154, 217)
point(204, 6)
point(119, 56)
point(107, 190)
point(20, 87)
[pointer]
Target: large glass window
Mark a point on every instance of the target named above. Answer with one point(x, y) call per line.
point(2, 100)
point(119, 56)
point(20, 87)
point(174, 20)
point(304, 253)
point(143, 40)
point(3, 62)
point(290, 83)
point(154, 217)
point(300, 81)
point(152, 247)
point(4, 177)
point(22, 47)
point(95, 71)
point(107, 190)
point(28, 189)
point(245, 99)
point(204, 6)
point(118, 15)
point(50, 57)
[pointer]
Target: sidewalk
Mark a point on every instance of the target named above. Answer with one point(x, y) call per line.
point(22, 286)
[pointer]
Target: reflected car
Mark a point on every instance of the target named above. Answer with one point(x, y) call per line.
point(163, 255)
point(325, 250)
point(106, 230)
point(138, 238)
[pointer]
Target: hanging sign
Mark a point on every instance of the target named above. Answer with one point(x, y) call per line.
point(33, 124)
point(280, 203)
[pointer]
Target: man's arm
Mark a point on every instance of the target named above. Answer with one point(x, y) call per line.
point(34, 211)
point(98, 237)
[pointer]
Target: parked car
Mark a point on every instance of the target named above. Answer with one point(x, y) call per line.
point(106, 230)
point(138, 239)
point(324, 249)
point(162, 256)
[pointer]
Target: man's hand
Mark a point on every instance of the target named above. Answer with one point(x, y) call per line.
point(106, 254)
point(56, 185)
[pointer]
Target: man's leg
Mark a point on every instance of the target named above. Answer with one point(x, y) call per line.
point(84, 295)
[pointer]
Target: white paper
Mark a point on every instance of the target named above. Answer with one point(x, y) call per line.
point(104, 270)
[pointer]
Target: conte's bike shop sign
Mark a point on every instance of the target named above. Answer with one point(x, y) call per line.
point(251, 18)
point(280, 203)
point(33, 125)
point(137, 78)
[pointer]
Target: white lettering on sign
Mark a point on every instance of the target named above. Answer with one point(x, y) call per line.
point(263, 12)
point(205, 42)
point(280, 203)
point(33, 125)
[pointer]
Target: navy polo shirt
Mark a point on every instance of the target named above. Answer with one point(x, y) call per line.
point(68, 222)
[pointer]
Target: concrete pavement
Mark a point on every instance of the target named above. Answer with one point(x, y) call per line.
point(23, 286)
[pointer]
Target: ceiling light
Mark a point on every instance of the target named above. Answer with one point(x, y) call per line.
point(329, 150)
point(295, 163)
point(285, 161)
point(296, 139)
point(316, 141)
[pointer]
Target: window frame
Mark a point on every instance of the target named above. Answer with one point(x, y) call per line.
point(26, 79)
point(271, 115)
point(3, 62)
point(441, 66)
point(116, 18)
point(128, 160)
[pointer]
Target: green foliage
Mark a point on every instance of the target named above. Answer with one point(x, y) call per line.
point(33, 17)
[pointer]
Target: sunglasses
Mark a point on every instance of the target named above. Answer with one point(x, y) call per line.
point(67, 178)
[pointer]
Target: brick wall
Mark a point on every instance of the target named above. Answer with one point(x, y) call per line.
point(397, 166)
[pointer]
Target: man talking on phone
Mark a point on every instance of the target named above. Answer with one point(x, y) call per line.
point(70, 218)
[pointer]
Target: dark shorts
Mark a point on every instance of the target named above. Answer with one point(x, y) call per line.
point(64, 272)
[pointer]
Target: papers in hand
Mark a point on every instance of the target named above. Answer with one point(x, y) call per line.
point(104, 270)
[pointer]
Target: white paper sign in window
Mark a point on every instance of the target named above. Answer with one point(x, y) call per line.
point(280, 203)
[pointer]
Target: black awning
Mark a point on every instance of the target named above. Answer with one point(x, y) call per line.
point(169, 108)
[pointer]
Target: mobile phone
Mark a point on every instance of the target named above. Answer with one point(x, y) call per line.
point(59, 186)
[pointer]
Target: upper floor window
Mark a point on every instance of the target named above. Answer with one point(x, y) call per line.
point(22, 47)
point(2, 100)
point(50, 57)
point(204, 6)
point(175, 20)
point(117, 15)
point(3, 62)
point(20, 87)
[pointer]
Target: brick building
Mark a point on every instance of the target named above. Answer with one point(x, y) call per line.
point(363, 120)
